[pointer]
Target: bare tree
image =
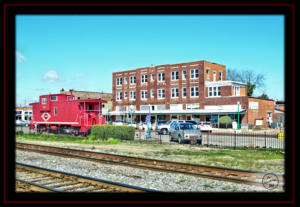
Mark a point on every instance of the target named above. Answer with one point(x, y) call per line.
point(254, 81)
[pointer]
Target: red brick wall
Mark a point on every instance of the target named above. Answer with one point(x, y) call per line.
point(264, 105)
point(167, 85)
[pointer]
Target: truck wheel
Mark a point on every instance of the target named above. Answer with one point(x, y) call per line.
point(199, 142)
point(164, 131)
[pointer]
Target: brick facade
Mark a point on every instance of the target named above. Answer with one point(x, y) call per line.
point(207, 73)
point(92, 95)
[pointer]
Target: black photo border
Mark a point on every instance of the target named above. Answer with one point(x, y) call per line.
point(10, 10)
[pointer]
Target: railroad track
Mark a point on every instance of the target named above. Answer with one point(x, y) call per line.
point(36, 179)
point(217, 173)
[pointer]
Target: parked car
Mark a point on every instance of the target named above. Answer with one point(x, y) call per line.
point(21, 122)
point(183, 132)
point(118, 122)
point(197, 124)
point(164, 127)
point(205, 126)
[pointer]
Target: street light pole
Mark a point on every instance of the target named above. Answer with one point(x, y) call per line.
point(238, 124)
point(131, 111)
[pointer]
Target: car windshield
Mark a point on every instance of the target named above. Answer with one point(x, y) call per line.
point(207, 123)
point(169, 122)
point(187, 126)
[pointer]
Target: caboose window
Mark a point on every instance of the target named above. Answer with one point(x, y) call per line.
point(44, 100)
point(55, 111)
point(53, 98)
point(90, 107)
point(69, 98)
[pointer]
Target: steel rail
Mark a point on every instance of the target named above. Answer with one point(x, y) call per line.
point(31, 178)
point(217, 173)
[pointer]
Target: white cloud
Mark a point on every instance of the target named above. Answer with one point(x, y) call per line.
point(20, 57)
point(51, 76)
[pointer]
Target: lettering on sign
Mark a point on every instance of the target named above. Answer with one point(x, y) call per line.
point(259, 122)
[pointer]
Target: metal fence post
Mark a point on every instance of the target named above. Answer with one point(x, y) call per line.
point(160, 138)
point(208, 139)
point(235, 140)
point(265, 140)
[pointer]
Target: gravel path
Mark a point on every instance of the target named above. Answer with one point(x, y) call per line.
point(161, 181)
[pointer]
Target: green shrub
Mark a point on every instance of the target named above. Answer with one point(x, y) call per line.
point(225, 120)
point(109, 131)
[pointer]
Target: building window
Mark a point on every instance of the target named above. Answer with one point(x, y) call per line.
point(119, 96)
point(53, 98)
point(144, 95)
point(214, 76)
point(161, 93)
point(18, 115)
point(194, 73)
point(220, 76)
point(184, 92)
point(152, 93)
point(44, 100)
point(194, 91)
point(183, 74)
point(119, 81)
point(161, 77)
point(174, 92)
point(207, 74)
point(132, 95)
point(55, 111)
point(144, 78)
point(132, 79)
point(236, 91)
point(175, 75)
point(210, 91)
point(152, 77)
point(125, 94)
point(214, 91)
point(125, 80)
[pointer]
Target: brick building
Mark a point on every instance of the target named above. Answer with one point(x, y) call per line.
point(24, 113)
point(192, 90)
point(93, 95)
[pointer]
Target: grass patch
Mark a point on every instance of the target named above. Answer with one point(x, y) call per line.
point(181, 181)
point(55, 138)
point(206, 185)
point(259, 160)
point(256, 159)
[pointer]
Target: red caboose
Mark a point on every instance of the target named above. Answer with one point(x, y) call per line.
point(63, 113)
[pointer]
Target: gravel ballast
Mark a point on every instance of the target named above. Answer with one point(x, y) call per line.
point(161, 181)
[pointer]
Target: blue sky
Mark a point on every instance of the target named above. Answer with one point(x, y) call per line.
point(82, 51)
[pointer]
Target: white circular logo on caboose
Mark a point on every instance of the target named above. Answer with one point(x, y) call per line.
point(46, 116)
